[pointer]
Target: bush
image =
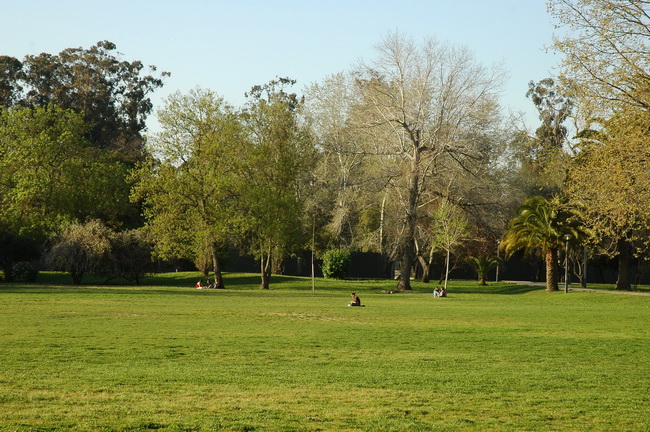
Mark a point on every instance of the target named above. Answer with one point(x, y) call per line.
point(24, 271)
point(336, 263)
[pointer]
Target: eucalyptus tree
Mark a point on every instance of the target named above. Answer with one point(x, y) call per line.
point(419, 104)
point(112, 94)
point(187, 185)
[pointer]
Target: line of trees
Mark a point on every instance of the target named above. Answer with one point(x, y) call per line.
point(407, 154)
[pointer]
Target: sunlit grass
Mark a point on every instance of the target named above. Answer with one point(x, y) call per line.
point(166, 356)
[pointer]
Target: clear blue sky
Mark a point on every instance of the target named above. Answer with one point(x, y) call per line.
point(229, 46)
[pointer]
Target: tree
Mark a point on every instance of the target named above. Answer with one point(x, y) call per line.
point(274, 171)
point(418, 104)
point(546, 157)
point(10, 78)
point(540, 226)
point(190, 185)
point(49, 173)
point(610, 178)
point(450, 228)
point(15, 248)
point(130, 255)
point(606, 46)
point(482, 265)
point(80, 249)
point(112, 94)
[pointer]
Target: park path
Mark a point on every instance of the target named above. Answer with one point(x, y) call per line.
point(543, 284)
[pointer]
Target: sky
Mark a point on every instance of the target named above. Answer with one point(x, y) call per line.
point(230, 46)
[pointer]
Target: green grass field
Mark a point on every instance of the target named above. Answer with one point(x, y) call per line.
point(168, 357)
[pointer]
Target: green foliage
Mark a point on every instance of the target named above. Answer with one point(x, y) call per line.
point(22, 271)
point(482, 265)
point(15, 248)
point(49, 173)
point(189, 184)
point(108, 358)
point(112, 95)
point(130, 255)
point(540, 227)
point(336, 263)
point(93, 248)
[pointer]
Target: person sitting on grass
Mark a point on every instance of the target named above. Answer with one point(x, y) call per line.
point(437, 291)
point(199, 284)
point(443, 292)
point(356, 301)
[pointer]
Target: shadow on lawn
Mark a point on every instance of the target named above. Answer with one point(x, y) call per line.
point(495, 288)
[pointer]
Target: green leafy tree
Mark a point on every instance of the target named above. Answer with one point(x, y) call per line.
point(607, 69)
point(605, 45)
point(611, 179)
point(540, 226)
point(50, 174)
point(274, 173)
point(130, 255)
point(546, 157)
point(190, 185)
point(111, 94)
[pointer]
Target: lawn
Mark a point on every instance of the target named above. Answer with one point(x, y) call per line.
point(165, 356)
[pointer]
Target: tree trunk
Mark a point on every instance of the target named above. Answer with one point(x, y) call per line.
point(426, 270)
point(623, 281)
point(216, 264)
point(407, 247)
point(76, 277)
point(552, 271)
point(265, 270)
point(447, 269)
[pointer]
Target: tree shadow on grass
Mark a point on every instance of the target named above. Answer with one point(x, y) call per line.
point(497, 288)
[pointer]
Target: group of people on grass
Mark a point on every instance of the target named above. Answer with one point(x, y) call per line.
point(207, 285)
point(440, 292)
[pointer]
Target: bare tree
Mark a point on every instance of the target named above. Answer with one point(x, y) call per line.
point(418, 104)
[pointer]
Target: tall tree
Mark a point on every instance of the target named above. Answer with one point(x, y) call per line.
point(418, 103)
point(277, 165)
point(611, 178)
point(188, 188)
point(112, 94)
point(539, 227)
point(607, 69)
point(450, 228)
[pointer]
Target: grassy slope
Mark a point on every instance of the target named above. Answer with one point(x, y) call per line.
point(169, 357)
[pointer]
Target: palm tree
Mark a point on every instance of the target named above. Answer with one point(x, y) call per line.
point(540, 226)
point(482, 266)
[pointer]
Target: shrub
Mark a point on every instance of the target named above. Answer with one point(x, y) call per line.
point(336, 263)
point(24, 271)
